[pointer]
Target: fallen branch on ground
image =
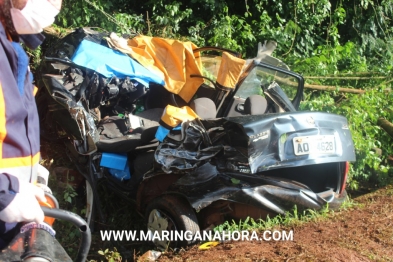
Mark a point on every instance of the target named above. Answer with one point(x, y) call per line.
point(334, 88)
point(386, 125)
point(346, 77)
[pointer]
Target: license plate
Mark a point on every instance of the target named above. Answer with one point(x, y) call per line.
point(306, 145)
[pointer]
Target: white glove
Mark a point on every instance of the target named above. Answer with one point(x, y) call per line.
point(24, 207)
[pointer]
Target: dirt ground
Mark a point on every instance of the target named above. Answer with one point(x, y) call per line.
point(360, 233)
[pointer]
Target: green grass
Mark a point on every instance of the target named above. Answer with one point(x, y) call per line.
point(295, 217)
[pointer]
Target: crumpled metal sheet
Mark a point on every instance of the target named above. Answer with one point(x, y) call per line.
point(252, 144)
point(206, 184)
point(194, 149)
point(84, 119)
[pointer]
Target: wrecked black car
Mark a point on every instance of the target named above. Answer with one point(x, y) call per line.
point(233, 147)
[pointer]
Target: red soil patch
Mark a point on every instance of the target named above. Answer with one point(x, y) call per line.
point(361, 233)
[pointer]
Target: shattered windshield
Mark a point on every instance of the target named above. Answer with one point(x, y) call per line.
point(260, 78)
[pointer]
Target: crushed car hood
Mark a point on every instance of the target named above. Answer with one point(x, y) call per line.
point(252, 144)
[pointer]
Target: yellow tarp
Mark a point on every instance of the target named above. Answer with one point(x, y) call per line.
point(173, 60)
point(173, 116)
point(230, 69)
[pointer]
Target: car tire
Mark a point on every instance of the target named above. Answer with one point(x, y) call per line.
point(171, 213)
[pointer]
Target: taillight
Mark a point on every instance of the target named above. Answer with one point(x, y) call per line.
point(344, 181)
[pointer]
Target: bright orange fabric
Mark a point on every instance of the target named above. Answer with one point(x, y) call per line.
point(175, 59)
point(173, 116)
point(230, 69)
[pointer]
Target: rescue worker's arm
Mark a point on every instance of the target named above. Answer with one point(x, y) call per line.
point(19, 200)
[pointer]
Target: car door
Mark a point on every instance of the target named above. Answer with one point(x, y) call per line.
point(256, 79)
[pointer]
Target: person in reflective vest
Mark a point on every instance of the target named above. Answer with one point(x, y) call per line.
point(20, 21)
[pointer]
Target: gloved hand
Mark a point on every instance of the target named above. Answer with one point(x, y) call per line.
point(24, 207)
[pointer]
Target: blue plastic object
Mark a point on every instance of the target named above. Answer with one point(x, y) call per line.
point(109, 63)
point(120, 174)
point(162, 132)
point(117, 165)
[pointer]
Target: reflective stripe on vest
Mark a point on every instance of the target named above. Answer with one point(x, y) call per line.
point(23, 167)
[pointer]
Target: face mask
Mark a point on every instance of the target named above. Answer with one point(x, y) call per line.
point(36, 15)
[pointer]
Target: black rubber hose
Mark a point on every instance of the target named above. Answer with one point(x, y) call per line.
point(79, 223)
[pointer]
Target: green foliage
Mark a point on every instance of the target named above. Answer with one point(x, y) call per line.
point(300, 27)
point(67, 234)
point(291, 218)
point(326, 60)
point(104, 14)
point(35, 58)
point(69, 193)
point(168, 17)
point(362, 111)
point(111, 256)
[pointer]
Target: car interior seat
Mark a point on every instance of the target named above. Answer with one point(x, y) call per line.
point(204, 107)
point(255, 105)
point(117, 137)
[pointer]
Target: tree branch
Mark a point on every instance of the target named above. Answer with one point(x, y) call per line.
point(345, 77)
point(386, 125)
point(334, 88)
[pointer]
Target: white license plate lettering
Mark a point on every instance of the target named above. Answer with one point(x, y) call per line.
point(306, 145)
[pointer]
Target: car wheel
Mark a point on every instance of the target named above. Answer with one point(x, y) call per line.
point(170, 214)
